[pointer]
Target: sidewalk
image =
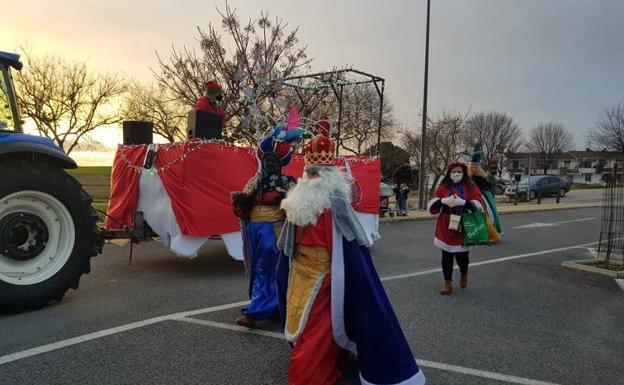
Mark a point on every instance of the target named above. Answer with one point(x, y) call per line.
point(503, 209)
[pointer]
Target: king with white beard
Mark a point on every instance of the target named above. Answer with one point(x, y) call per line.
point(330, 294)
point(310, 197)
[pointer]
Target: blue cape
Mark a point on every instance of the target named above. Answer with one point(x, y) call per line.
point(363, 320)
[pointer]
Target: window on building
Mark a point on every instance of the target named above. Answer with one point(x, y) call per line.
point(588, 178)
point(566, 164)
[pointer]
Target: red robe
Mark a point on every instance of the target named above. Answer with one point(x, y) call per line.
point(319, 234)
point(450, 240)
point(314, 357)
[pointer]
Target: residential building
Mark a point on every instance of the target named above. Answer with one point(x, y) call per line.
point(584, 167)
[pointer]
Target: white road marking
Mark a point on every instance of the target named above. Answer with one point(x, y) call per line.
point(107, 332)
point(409, 275)
point(503, 259)
point(421, 362)
point(235, 328)
point(620, 282)
point(176, 316)
point(481, 373)
point(552, 224)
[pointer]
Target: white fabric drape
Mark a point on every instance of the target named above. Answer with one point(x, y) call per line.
point(156, 207)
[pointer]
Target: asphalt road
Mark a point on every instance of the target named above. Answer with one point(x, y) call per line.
point(522, 320)
point(583, 196)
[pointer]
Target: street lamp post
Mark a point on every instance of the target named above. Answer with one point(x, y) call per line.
point(423, 138)
point(528, 181)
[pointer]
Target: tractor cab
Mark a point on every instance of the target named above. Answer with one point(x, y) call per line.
point(9, 115)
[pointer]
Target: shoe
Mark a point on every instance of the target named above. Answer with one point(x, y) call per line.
point(463, 281)
point(447, 289)
point(245, 321)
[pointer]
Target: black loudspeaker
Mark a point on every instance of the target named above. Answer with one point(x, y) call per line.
point(204, 125)
point(138, 132)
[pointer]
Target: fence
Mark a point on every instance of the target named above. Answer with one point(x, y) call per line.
point(611, 245)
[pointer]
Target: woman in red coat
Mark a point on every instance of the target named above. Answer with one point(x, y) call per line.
point(455, 194)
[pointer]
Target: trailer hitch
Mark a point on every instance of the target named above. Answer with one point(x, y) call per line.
point(138, 233)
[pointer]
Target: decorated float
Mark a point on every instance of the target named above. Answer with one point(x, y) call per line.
point(183, 191)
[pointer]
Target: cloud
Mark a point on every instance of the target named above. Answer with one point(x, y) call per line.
point(537, 60)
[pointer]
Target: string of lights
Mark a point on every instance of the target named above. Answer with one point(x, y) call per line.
point(192, 145)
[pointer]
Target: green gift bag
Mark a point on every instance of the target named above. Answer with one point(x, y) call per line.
point(475, 229)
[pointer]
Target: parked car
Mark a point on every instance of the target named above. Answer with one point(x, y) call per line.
point(540, 184)
point(502, 185)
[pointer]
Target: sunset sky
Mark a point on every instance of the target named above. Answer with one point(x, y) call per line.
point(538, 60)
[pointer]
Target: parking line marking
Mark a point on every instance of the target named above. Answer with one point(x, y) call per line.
point(552, 224)
point(235, 328)
point(481, 373)
point(503, 259)
point(175, 316)
point(107, 332)
point(421, 362)
point(620, 282)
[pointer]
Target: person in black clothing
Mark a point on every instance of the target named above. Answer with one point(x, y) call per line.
point(402, 177)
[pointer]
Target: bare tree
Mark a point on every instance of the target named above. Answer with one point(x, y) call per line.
point(360, 118)
point(152, 104)
point(548, 140)
point(311, 103)
point(497, 134)
point(444, 143)
point(66, 100)
point(262, 51)
point(609, 131)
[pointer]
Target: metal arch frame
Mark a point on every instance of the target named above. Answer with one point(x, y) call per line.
point(336, 81)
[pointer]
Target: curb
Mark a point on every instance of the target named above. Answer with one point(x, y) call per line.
point(581, 265)
point(428, 217)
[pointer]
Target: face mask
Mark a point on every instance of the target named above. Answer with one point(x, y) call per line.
point(216, 100)
point(457, 176)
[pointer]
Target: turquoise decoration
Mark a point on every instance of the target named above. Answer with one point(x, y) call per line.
point(477, 155)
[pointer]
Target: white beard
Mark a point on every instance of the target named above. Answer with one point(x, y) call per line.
point(310, 197)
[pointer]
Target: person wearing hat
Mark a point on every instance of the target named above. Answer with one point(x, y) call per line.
point(331, 297)
point(455, 194)
point(212, 101)
point(261, 220)
point(483, 181)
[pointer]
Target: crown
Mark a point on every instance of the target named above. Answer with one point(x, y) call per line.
point(320, 151)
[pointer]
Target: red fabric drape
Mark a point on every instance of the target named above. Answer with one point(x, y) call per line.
point(200, 185)
point(199, 178)
point(124, 186)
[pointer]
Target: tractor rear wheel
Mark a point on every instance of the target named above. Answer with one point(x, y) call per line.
point(48, 234)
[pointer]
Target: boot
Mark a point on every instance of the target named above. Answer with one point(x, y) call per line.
point(246, 321)
point(463, 281)
point(447, 289)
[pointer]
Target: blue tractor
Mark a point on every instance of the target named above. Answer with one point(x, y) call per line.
point(48, 230)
